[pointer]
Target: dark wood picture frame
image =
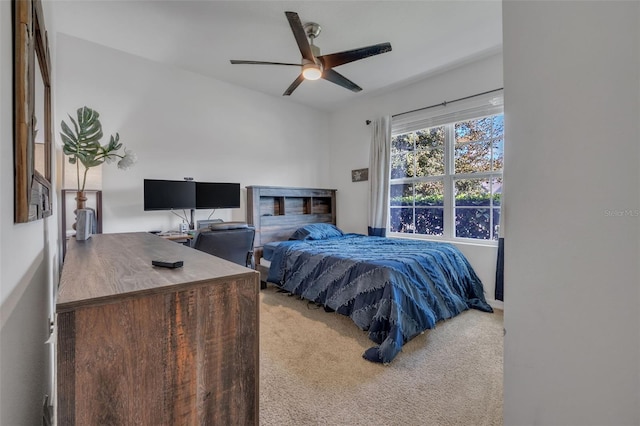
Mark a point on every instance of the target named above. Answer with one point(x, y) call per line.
point(359, 175)
point(32, 189)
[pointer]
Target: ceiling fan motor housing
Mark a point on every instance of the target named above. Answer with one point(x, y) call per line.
point(313, 70)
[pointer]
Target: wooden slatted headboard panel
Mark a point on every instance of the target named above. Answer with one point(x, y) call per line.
point(277, 211)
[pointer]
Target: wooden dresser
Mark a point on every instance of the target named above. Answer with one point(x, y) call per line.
point(143, 345)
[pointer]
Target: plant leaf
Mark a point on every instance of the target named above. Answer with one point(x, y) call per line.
point(66, 131)
point(75, 125)
point(90, 129)
point(113, 143)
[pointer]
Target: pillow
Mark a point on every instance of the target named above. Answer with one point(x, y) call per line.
point(316, 231)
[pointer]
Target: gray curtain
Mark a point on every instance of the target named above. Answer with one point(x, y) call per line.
point(379, 159)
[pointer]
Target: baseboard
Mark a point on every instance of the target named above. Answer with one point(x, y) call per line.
point(496, 304)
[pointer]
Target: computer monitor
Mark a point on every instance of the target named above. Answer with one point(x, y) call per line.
point(217, 195)
point(169, 194)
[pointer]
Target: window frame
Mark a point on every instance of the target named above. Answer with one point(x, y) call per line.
point(475, 109)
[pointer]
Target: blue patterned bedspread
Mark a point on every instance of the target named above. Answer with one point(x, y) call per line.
point(392, 288)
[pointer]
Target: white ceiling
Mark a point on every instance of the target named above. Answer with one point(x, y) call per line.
point(202, 36)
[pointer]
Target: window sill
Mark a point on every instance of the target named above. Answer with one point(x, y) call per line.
point(459, 241)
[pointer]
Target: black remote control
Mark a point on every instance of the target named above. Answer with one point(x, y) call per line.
point(167, 263)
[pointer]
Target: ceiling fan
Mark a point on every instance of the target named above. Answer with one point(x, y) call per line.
point(314, 65)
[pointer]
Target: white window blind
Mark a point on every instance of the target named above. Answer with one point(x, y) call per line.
point(478, 106)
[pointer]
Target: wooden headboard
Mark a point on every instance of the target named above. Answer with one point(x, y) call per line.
point(276, 211)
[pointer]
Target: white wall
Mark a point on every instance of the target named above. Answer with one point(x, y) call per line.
point(28, 272)
point(182, 124)
point(351, 138)
point(572, 348)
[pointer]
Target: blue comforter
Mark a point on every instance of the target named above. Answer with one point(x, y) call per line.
point(392, 288)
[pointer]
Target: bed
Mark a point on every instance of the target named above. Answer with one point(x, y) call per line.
point(392, 288)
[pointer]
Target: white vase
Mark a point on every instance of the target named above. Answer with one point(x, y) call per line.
point(84, 219)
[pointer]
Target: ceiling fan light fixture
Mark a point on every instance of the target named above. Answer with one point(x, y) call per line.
point(311, 71)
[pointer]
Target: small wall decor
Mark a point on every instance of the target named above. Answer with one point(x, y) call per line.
point(359, 175)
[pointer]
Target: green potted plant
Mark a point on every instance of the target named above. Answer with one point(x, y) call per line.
point(82, 145)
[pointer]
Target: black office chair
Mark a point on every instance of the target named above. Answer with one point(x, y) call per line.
point(232, 241)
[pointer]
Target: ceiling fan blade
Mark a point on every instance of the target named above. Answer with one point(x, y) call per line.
point(293, 85)
point(340, 80)
point(300, 35)
point(334, 59)
point(238, 61)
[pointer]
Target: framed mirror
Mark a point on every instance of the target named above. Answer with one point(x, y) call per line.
point(32, 133)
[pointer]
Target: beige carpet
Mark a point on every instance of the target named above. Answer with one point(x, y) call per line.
point(312, 371)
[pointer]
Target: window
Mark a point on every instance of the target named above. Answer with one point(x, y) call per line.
point(446, 179)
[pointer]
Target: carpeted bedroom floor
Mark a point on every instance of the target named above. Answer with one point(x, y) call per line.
point(312, 371)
